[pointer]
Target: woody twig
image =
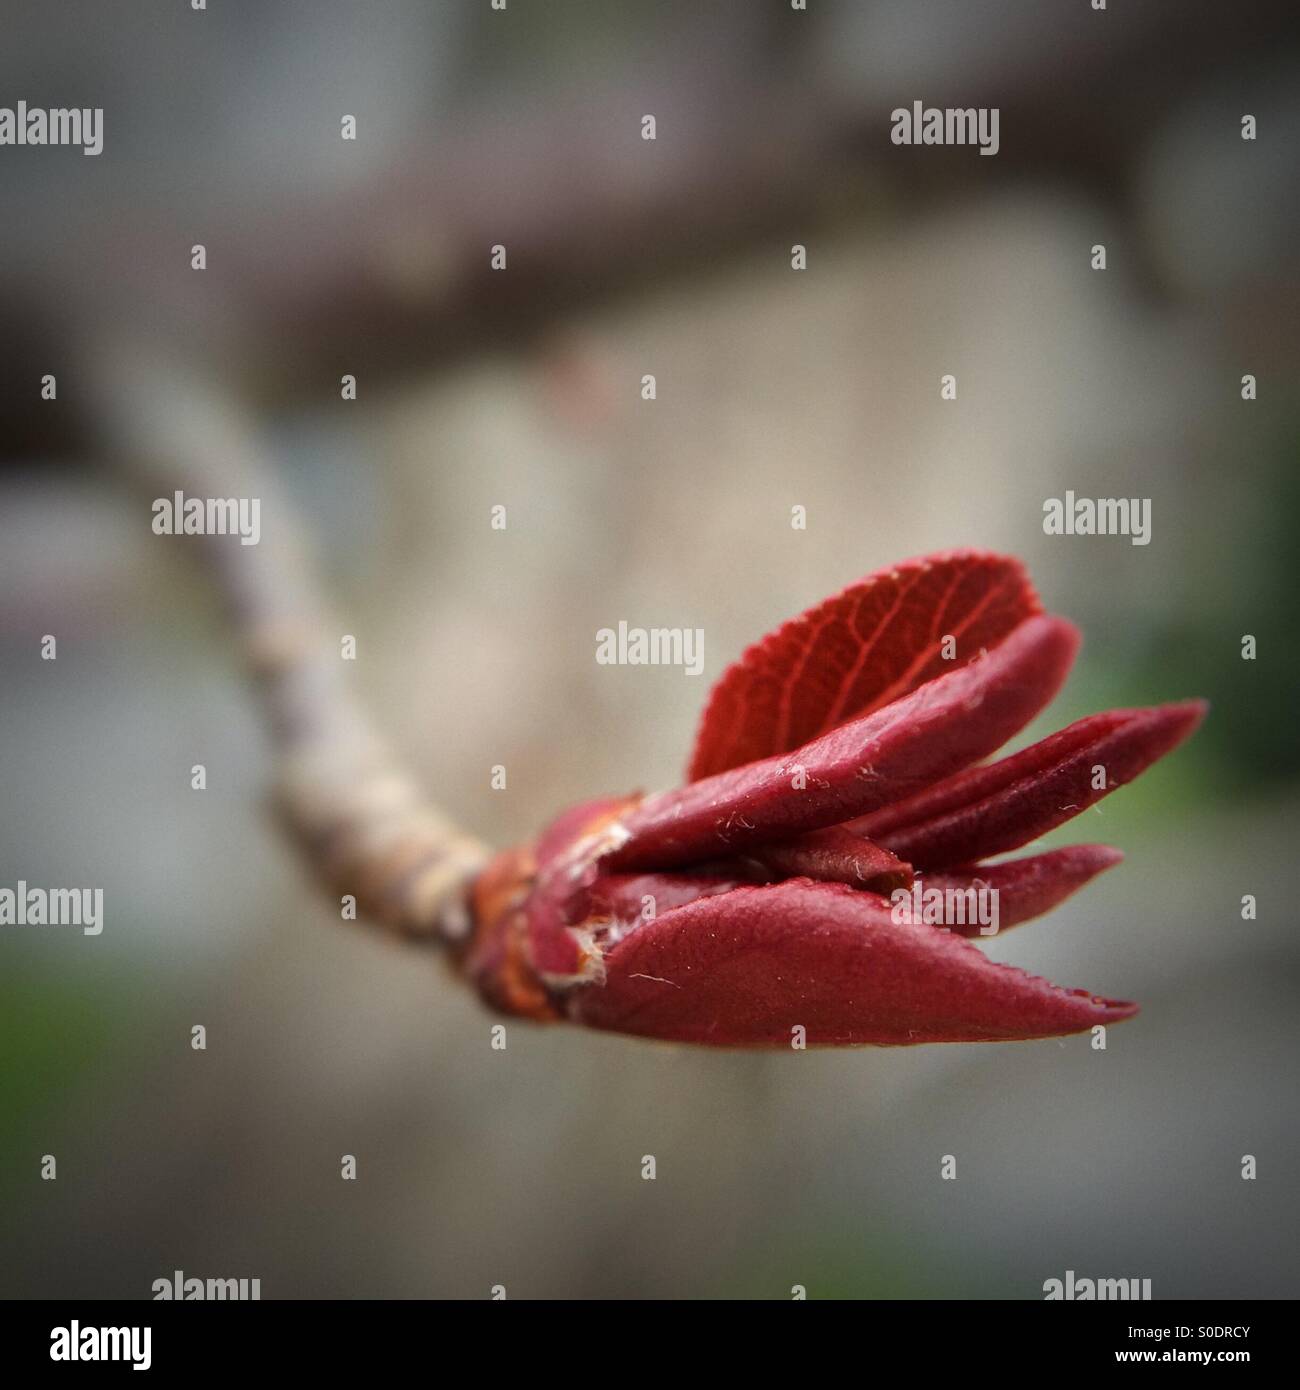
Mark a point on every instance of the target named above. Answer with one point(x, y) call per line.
point(365, 826)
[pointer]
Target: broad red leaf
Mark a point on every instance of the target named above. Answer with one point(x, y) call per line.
point(988, 810)
point(749, 966)
point(858, 651)
point(947, 724)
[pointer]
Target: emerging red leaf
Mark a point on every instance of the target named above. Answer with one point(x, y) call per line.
point(988, 810)
point(858, 651)
point(748, 967)
point(1025, 888)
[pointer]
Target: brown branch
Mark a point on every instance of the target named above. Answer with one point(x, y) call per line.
point(362, 821)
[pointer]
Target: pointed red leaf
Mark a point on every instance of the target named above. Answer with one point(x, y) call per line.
point(749, 966)
point(988, 810)
point(1026, 888)
point(858, 651)
point(947, 724)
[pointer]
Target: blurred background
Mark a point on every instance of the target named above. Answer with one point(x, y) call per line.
point(775, 389)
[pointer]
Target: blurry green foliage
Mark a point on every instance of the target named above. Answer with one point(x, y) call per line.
point(1251, 741)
